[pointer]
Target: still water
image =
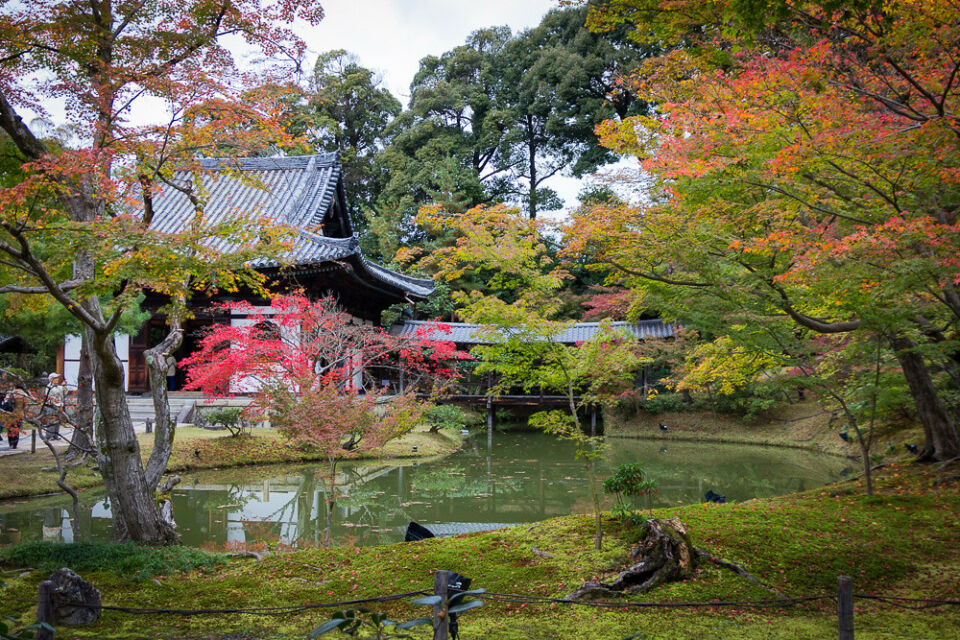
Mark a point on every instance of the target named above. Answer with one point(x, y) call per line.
point(523, 477)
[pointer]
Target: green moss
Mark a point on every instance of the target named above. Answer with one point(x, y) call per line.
point(134, 561)
point(900, 542)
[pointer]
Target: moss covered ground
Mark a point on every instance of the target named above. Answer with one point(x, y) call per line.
point(900, 542)
point(194, 449)
point(801, 425)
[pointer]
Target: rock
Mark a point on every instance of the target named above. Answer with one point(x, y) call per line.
point(71, 590)
point(186, 413)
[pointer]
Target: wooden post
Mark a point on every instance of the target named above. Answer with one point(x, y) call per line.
point(45, 609)
point(489, 422)
point(845, 607)
point(441, 581)
point(149, 425)
point(33, 440)
point(593, 421)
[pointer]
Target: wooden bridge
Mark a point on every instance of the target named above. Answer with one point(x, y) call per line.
point(504, 400)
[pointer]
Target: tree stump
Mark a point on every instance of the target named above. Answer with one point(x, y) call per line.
point(75, 601)
point(664, 555)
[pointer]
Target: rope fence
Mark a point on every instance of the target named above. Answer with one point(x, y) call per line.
point(844, 599)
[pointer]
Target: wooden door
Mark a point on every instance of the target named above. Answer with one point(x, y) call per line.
point(139, 381)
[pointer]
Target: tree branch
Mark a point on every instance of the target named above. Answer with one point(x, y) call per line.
point(819, 325)
point(656, 278)
point(25, 256)
point(11, 122)
point(63, 286)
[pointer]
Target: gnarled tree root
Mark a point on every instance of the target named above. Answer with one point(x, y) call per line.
point(664, 555)
point(736, 568)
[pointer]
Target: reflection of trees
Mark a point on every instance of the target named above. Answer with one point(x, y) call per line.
point(685, 471)
point(525, 477)
point(432, 483)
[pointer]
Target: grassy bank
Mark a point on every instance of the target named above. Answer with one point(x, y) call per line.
point(901, 542)
point(194, 449)
point(803, 425)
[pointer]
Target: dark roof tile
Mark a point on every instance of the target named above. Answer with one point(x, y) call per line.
point(463, 333)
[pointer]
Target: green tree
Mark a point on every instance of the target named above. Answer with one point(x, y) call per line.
point(493, 119)
point(349, 112)
point(444, 147)
point(560, 80)
point(521, 316)
point(809, 177)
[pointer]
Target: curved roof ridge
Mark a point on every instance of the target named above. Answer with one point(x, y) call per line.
point(418, 286)
point(270, 162)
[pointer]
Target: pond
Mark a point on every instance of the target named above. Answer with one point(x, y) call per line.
point(522, 478)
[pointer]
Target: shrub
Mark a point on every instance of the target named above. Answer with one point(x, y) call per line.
point(229, 418)
point(663, 402)
point(445, 415)
point(128, 559)
point(628, 482)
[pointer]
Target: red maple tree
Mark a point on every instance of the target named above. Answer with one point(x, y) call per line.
point(316, 374)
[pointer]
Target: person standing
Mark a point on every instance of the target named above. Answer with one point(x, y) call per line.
point(53, 409)
point(13, 420)
point(171, 363)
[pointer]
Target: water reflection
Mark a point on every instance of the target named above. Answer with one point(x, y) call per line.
point(521, 478)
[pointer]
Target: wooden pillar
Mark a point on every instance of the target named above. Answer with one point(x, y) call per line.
point(441, 583)
point(845, 607)
point(489, 422)
point(61, 352)
point(45, 609)
point(593, 420)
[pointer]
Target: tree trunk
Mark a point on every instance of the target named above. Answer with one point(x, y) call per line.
point(864, 449)
point(331, 503)
point(82, 442)
point(939, 430)
point(134, 510)
point(664, 555)
point(591, 471)
point(165, 426)
point(532, 151)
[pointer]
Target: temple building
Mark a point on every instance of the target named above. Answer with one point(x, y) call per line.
point(304, 193)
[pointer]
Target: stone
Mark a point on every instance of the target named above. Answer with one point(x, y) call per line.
point(70, 590)
point(186, 413)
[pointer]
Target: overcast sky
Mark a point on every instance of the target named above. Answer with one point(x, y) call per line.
point(391, 36)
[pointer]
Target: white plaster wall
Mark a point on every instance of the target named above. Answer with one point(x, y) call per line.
point(71, 358)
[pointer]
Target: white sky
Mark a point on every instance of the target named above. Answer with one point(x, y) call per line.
point(391, 36)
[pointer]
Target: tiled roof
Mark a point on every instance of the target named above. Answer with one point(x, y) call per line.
point(418, 286)
point(293, 191)
point(312, 248)
point(462, 333)
point(13, 344)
